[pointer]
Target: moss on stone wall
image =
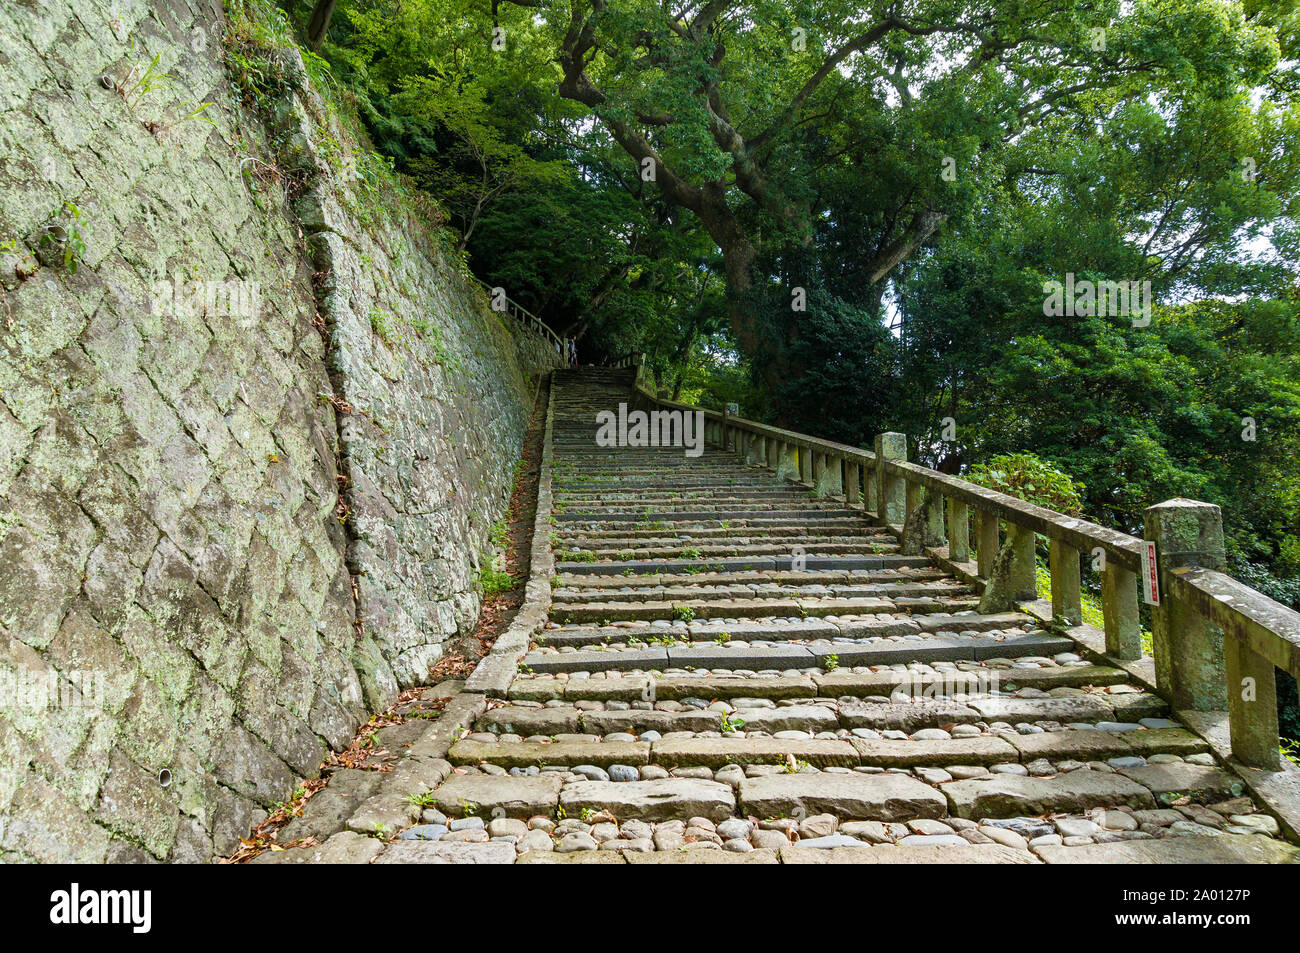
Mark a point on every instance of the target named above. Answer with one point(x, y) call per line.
point(179, 412)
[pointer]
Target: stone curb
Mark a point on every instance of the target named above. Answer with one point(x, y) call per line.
point(497, 669)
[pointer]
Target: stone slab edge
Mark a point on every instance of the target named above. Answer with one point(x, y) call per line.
point(494, 673)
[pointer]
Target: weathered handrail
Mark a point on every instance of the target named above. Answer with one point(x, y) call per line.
point(634, 359)
point(1269, 628)
point(519, 312)
point(1194, 603)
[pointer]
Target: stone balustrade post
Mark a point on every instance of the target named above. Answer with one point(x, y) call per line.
point(1189, 656)
point(891, 492)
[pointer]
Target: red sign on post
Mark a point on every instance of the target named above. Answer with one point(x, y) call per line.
point(1150, 573)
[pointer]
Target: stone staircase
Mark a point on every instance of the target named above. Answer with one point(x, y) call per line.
point(736, 670)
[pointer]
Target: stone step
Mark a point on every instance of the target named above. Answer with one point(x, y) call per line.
point(1009, 795)
point(798, 656)
point(526, 754)
point(731, 564)
point(707, 606)
point(719, 752)
point(772, 630)
point(896, 854)
point(683, 536)
point(865, 797)
point(486, 795)
point(733, 548)
point(640, 593)
point(1102, 745)
point(633, 688)
point(753, 578)
point(686, 512)
point(808, 525)
point(578, 494)
point(1226, 849)
point(659, 800)
point(741, 747)
point(554, 721)
point(835, 684)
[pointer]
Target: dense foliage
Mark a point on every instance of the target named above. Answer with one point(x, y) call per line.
point(843, 216)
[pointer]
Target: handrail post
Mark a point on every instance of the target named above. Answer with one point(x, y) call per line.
point(987, 542)
point(1012, 578)
point(923, 527)
point(1119, 609)
point(958, 531)
point(852, 483)
point(829, 481)
point(1252, 706)
point(805, 465)
point(787, 465)
point(1024, 581)
point(1063, 563)
point(1188, 649)
point(891, 492)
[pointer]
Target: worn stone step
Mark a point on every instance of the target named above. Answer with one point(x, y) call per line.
point(1119, 708)
point(486, 795)
point(734, 548)
point(1102, 745)
point(1171, 782)
point(1091, 708)
point(710, 630)
point(894, 854)
point(835, 684)
point(940, 649)
point(708, 857)
point(974, 621)
point(562, 599)
point(639, 567)
point(982, 750)
point(703, 607)
point(659, 800)
point(866, 797)
point(632, 688)
point(810, 718)
point(530, 721)
point(850, 528)
point(525, 754)
point(797, 656)
point(605, 722)
point(1225, 849)
point(908, 717)
point(687, 512)
point(751, 578)
point(1009, 795)
point(576, 498)
point(718, 752)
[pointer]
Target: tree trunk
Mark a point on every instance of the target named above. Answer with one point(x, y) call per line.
point(320, 23)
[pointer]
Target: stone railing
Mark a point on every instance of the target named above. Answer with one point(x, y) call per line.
point(635, 359)
point(1215, 640)
point(519, 313)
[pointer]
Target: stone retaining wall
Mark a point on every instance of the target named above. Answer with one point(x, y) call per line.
point(183, 391)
